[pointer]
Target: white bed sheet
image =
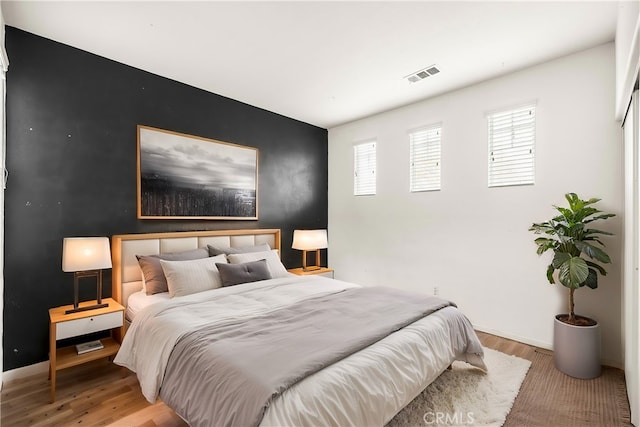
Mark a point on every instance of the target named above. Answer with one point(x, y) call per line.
point(366, 388)
point(138, 301)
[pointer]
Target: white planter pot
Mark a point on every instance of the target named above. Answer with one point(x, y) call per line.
point(576, 349)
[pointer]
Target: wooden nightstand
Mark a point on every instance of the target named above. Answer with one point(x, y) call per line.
point(323, 271)
point(63, 326)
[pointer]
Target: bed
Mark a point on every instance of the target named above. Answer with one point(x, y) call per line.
point(272, 348)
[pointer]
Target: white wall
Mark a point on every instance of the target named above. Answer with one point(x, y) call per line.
point(627, 53)
point(472, 241)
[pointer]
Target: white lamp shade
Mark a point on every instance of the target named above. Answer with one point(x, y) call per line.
point(85, 253)
point(309, 240)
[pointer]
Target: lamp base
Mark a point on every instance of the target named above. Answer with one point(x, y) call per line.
point(306, 267)
point(86, 308)
point(76, 305)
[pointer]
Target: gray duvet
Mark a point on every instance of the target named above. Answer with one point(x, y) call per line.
point(229, 375)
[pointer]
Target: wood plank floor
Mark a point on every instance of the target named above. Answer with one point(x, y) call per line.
point(549, 398)
point(101, 394)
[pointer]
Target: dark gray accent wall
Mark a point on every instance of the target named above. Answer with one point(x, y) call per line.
point(71, 157)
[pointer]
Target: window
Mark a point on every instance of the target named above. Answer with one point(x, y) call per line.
point(512, 137)
point(424, 157)
point(364, 168)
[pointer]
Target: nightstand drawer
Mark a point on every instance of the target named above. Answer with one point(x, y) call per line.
point(73, 328)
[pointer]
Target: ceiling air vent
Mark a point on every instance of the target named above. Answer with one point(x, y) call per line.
point(422, 74)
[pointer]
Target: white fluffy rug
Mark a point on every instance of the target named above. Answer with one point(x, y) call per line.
point(466, 396)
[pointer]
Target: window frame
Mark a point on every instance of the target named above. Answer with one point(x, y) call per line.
point(429, 147)
point(511, 126)
point(364, 187)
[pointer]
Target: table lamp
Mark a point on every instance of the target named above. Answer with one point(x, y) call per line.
point(86, 257)
point(308, 241)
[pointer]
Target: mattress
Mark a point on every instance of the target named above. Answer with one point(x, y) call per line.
point(138, 301)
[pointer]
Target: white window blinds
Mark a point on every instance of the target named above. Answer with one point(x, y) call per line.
point(512, 137)
point(424, 157)
point(364, 168)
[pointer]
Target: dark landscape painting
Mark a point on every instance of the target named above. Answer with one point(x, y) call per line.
point(182, 176)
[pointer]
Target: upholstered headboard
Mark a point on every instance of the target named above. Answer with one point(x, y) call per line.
point(126, 275)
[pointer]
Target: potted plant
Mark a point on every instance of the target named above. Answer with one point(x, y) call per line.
point(577, 253)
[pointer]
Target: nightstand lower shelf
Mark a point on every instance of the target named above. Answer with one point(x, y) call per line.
point(66, 357)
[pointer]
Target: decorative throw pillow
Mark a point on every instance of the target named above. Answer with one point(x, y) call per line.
point(152, 274)
point(189, 277)
point(235, 274)
point(219, 250)
point(273, 261)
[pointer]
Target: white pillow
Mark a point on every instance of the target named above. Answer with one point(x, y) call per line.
point(273, 261)
point(189, 277)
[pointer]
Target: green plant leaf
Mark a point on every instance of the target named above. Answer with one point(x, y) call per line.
point(590, 231)
point(593, 239)
point(544, 227)
point(573, 272)
point(583, 213)
point(574, 201)
point(566, 213)
point(550, 271)
point(560, 258)
point(593, 252)
point(591, 201)
point(544, 240)
point(544, 244)
point(595, 218)
point(597, 267)
point(592, 279)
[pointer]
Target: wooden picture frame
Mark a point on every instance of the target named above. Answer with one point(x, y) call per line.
point(183, 176)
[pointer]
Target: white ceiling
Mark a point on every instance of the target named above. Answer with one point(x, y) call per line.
point(324, 63)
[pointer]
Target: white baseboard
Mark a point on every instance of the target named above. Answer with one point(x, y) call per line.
point(25, 371)
point(525, 340)
point(540, 344)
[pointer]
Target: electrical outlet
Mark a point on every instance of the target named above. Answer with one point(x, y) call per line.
point(436, 291)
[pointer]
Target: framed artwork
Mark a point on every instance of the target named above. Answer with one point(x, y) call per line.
point(189, 177)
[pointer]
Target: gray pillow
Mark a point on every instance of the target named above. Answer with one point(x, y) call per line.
point(219, 250)
point(154, 278)
point(191, 276)
point(276, 268)
point(235, 274)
